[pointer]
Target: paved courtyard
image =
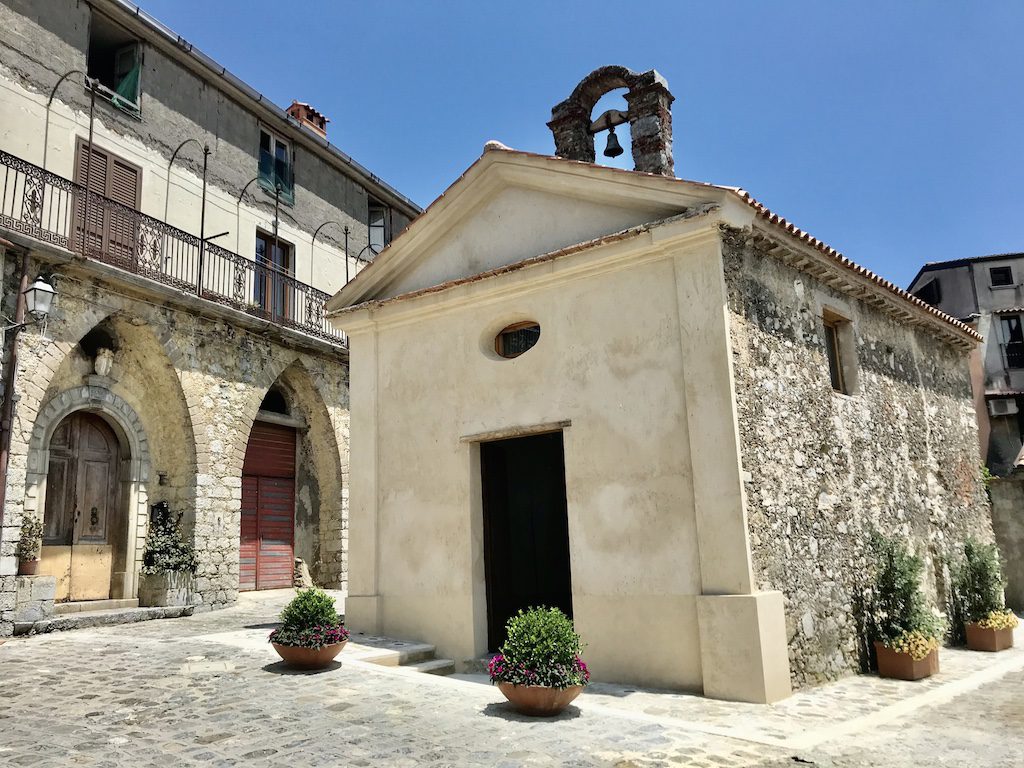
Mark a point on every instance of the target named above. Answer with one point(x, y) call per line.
point(207, 690)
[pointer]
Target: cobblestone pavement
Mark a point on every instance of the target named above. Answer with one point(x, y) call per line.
point(207, 690)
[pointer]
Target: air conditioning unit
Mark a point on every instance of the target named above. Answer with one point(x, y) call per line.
point(1002, 406)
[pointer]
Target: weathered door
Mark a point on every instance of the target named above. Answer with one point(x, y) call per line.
point(81, 520)
point(526, 528)
point(266, 546)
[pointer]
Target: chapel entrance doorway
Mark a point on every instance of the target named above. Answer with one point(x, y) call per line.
point(84, 524)
point(267, 544)
point(526, 528)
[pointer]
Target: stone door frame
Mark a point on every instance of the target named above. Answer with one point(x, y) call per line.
point(97, 398)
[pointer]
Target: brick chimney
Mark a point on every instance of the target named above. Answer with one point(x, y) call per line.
point(309, 117)
point(649, 115)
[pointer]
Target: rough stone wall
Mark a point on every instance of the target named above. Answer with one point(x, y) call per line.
point(193, 386)
point(1008, 523)
point(823, 469)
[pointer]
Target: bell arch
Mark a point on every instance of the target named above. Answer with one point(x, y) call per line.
point(649, 115)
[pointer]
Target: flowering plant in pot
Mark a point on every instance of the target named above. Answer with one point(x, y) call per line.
point(168, 561)
point(538, 668)
point(311, 632)
point(906, 633)
point(27, 550)
point(979, 593)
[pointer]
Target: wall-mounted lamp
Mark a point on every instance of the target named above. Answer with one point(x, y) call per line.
point(38, 301)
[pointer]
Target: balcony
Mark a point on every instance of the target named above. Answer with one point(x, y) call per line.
point(1013, 355)
point(50, 208)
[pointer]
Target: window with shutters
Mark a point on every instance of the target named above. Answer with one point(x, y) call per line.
point(1013, 341)
point(275, 166)
point(115, 60)
point(273, 285)
point(841, 352)
point(377, 224)
point(104, 231)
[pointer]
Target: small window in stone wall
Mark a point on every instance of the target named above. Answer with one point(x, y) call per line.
point(839, 348)
point(516, 339)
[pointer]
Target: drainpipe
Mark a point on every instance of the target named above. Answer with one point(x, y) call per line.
point(10, 371)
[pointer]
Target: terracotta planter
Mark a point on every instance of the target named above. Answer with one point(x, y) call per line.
point(28, 567)
point(308, 658)
point(979, 639)
point(902, 666)
point(539, 700)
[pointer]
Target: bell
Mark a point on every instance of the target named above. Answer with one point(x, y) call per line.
point(613, 149)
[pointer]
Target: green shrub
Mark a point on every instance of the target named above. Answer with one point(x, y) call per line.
point(898, 607)
point(979, 582)
point(31, 538)
point(166, 549)
point(542, 649)
point(310, 608)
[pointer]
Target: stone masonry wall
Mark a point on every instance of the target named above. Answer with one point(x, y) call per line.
point(185, 389)
point(824, 469)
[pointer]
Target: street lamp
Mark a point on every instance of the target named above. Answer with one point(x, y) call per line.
point(38, 298)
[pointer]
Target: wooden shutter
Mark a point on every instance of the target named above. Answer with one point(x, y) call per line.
point(110, 232)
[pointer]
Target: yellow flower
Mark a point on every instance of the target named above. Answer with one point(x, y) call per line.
point(915, 643)
point(999, 620)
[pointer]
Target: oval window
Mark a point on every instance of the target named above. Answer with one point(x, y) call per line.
point(516, 339)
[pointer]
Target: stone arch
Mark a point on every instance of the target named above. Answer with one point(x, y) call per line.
point(650, 118)
point(135, 468)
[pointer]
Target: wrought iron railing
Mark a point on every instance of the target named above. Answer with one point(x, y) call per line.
point(53, 209)
point(1013, 355)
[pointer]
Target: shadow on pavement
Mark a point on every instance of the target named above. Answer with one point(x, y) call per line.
point(504, 711)
point(281, 668)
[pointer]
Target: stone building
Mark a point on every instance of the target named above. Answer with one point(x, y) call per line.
point(987, 293)
point(192, 231)
point(653, 403)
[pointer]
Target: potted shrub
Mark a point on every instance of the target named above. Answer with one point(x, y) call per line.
point(905, 632)
point(311, 632)
point(538, 668)
point(27, 550)
point(168, 562)
point(979, 591)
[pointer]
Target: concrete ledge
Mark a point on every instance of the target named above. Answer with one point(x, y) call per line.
point(743, 647)
point(88, 619)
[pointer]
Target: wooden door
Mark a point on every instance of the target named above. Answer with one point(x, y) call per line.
point(526, 528)
point(80, 519)
point(266, 545)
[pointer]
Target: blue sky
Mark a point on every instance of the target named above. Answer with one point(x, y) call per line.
point(892, 131)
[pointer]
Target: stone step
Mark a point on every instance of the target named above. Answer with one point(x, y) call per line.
point(81, 606)
point(85, 619)
point(388, 652)
point(432, 667)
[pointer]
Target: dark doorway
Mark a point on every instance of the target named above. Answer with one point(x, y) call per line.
point(526, 528)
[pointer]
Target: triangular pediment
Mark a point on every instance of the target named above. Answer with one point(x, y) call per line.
point(511, 206)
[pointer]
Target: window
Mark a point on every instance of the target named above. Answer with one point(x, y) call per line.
point(273, 287)
point(516, 339)
point(930, 292)
point(115, 59)
point(1000, 276)
point(377, 224)
point(1013, 341)
point(839, 348)
point(275, 166)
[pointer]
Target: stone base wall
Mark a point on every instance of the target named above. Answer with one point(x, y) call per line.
point(1008, 522)
point(900, 455)
point(33, 600)
point(182, 395)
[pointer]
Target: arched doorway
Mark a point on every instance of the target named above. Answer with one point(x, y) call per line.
point(84, 522)
point(267, 534)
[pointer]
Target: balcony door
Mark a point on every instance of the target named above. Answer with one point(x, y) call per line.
point(106, 230)
point(274, 286)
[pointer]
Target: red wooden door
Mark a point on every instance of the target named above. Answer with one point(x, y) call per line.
point(266, 548)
